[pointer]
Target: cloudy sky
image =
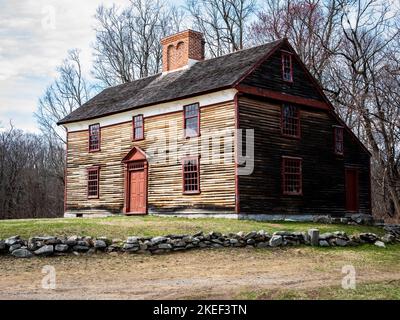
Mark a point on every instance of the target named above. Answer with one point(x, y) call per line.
point(35, 36)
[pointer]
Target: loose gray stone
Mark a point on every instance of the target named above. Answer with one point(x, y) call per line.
point(250, 241)
point(322, 219)
point(276, 241)
point(179, 244)
point(323, 243)
point(388, 238)
point(100, 244)
point(360, 218)
point(164, 246)
point(130, 246)
point(379, 244)
point(368, 237)
point(314, 236)
point(132, 240)
point(79, 248)
point(22, 253)
point(326, 236)
point(61, 247)
point(14, 247)
point(70, 242)
point(157, 240)
point(13, 240)
point(344, 220)
point(262, 245)
point(282, 233)
point(341, 242)
point(45, 250)
point(250, 235)
point(233, 241)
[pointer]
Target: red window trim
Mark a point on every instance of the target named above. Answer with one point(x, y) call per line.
point(99, 138)
point(298, 133)
point(335, 150)
point(134, 138)
point(284, 192)
point(198, 191)
point(198, 120)
point(97, 168)
point(285, 54)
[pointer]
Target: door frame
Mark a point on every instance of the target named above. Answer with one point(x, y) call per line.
point(135, 156)
point(357, 187)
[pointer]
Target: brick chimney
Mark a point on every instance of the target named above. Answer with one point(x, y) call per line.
point(182, 49)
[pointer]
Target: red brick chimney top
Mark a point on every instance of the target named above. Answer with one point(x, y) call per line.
point(181, 49)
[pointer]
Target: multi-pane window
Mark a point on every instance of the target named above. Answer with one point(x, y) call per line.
point(287, 68)
point(93, 182)
point(192, 120)
point(291, 176)
point(191, 175)
point(338, 140)
point(94, 137)
point(290, 120)
point(138, 132)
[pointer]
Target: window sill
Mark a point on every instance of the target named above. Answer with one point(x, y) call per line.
point(191, 192)
point(291, 137)
point(292, 194)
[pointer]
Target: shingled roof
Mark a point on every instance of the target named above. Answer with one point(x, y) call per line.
point(204, 76)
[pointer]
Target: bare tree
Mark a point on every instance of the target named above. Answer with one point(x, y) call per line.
point(127, 45)
point(67, 93)
point(309, 25)
point(351, 46)
point(30, 184)
point(223, 23)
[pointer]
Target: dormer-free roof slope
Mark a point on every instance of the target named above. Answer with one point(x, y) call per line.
point(202, 77)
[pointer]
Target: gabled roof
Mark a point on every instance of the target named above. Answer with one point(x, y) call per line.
point(204, 76)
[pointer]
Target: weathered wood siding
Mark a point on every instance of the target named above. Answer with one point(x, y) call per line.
point(323, 171)
point(217, 180)
point(269, 76)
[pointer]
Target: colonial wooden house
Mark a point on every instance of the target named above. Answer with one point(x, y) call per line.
point(143, 147)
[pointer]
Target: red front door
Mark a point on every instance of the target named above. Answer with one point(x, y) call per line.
point(137, 191)
point(351, 189)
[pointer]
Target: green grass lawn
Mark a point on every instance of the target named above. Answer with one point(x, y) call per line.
point(121, 226)
point(383, 290)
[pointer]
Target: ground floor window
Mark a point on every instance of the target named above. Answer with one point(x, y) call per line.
point(93, 182)
point(292, 176)
point(191, 175)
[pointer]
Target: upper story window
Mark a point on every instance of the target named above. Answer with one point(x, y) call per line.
point(292, 176)
point(93, 182)
point(338, 140)
point(94, 137)
point(290, 122)
point(191, 120)
point(138, 127)
point(191, 175)
point(287, 67)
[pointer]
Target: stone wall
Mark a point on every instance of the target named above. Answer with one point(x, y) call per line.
point(48, 246)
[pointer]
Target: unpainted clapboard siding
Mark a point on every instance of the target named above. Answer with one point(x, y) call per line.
point(217, 180)
point(269, 76)
point(323, 171)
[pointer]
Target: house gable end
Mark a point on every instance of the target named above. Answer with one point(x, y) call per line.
point(268, 76)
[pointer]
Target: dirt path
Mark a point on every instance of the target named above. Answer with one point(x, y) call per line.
point(211, 274)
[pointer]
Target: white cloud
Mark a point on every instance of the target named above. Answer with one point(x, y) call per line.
point(33, 42)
